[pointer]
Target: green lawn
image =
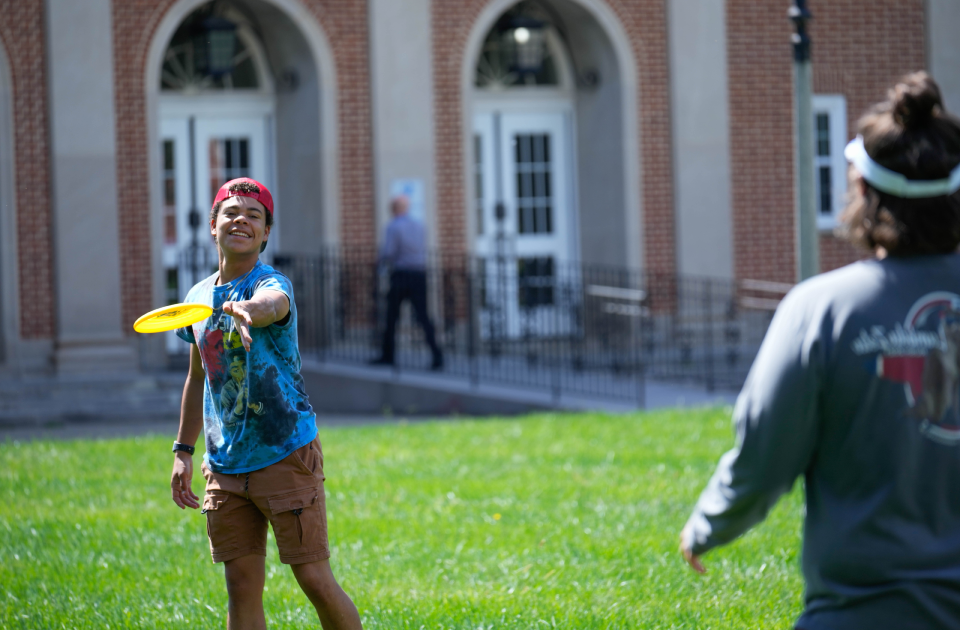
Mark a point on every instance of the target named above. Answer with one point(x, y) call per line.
point(566, 521)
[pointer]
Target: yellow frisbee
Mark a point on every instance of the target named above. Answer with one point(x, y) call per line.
point(172, 317)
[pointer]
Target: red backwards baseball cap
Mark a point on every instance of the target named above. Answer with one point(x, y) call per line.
point(263, 196)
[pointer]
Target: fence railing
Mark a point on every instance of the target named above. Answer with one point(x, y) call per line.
point(571, 329)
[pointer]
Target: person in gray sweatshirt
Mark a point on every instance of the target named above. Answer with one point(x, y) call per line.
point(856, 388)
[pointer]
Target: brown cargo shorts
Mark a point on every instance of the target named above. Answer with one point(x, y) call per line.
point(288, 494)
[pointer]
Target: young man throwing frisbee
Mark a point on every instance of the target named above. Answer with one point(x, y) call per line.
point(263, 461)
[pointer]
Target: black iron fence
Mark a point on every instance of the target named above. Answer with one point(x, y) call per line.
point(571, 329)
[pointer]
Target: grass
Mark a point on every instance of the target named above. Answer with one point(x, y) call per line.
point(548, 521)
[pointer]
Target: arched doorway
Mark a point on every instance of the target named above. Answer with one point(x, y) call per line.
point(216, 112)
point(523, 121)
point(271, 114)
point(595, 80)
point(552, 153)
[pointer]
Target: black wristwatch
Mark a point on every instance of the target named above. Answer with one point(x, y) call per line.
point(186, 448)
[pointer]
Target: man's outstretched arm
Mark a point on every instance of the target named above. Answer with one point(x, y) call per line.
point(191, 423)
point(264, 308)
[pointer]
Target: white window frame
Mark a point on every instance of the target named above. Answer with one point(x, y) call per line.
point(835, 107)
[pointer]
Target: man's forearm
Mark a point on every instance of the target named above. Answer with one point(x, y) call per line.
point(191, 412)
point(264, 309)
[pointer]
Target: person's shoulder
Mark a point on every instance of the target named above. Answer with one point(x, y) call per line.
point(265, 276)
point(849, 283)
point(263, 269)
point(202, 288)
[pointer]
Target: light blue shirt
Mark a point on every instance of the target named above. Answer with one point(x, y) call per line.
point(404, 245)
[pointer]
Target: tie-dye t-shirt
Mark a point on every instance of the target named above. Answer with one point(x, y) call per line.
point(255, 409)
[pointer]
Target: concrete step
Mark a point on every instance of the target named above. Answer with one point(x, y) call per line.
point(42, 400)
point(338, 387)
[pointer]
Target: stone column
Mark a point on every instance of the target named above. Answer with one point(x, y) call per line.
point(90, 335)
point(701, 137)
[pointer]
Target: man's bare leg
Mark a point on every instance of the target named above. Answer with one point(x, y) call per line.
point(245, 578)
point(334, 607)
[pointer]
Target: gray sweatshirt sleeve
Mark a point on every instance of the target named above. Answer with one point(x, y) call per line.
point(776, 421)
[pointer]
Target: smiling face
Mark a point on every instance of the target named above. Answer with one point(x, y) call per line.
point(240, 226)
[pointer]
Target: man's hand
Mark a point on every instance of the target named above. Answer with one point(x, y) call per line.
point(688, 555)
point(180, 481)
point(242, 320)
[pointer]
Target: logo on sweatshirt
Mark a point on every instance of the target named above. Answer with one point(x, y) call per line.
point(923, 353)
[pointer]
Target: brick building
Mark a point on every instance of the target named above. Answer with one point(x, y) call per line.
point(653, 134)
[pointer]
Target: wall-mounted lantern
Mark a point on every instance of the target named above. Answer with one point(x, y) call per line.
point(215, 47)
point(526, 38)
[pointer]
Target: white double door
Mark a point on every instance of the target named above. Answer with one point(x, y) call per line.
point(201, 148)
point(524, 174)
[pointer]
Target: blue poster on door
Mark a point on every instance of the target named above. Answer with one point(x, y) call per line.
point(412, 189)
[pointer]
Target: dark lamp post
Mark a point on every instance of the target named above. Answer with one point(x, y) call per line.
point(808, 238)
point(800, 15)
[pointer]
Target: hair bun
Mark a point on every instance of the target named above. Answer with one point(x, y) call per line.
point(914, 100)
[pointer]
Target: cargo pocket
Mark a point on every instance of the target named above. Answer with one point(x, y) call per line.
point(212, 502)
point(296, 518)
point(310, 458)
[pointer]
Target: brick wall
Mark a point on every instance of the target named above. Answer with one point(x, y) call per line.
point(645, 24)
point(761, 139)
point(858, 50)
point(21, 33)
point(134, 24)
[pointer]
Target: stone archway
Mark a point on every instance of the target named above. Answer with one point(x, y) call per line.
point(636, 36)
point(335, 47)
point(303, 124)
point(604, 113)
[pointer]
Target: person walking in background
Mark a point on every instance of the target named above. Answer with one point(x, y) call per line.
point(404, 250)
point(857, 388)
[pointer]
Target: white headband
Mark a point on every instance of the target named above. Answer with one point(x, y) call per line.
point(895, 183)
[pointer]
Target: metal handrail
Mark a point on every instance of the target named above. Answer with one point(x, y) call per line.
point(566, 328)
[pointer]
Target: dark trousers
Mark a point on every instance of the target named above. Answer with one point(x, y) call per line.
point(408, 285)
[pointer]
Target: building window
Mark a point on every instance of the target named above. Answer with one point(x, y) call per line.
point(188, 60)
point(229, 159)
point(830, 167)
point(517, 51)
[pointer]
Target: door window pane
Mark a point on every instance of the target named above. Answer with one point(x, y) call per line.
point(535, 281)
point(534, 195)
point(169, 193)
point(173, 285)
point(826, 199)
point(229, 159)
point(824, 185)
